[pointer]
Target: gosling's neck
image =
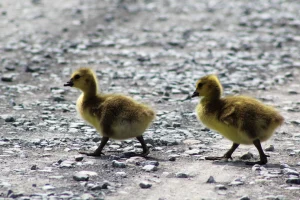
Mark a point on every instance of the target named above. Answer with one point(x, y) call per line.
point(213, 96)
point(90, 91)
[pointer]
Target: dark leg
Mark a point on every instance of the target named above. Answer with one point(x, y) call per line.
point(144, 146)
point(262, 155)
point(227, 155)
point(98, 151)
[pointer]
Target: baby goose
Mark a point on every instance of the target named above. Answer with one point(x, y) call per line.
point(114, 116)
point(241, 119)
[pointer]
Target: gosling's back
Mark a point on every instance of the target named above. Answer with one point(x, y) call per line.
point(116, 116)
point(239, 118)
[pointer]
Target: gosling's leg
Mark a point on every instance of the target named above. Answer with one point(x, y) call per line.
point(98, 151)
point(227, 155)
point(262, 155)
point(144, 146)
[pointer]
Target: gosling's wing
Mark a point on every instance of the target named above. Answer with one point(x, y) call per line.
point(228, 115)
point(245, 114)
point(232, 112)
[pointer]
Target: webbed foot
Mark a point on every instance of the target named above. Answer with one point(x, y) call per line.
point(263, 161)
point(226, 156)
point(262, 155)
point(145, 153)
point(218, 157)
point(95, 154)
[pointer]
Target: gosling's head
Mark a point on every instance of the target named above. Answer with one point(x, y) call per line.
point(83, 79)
point(208, 86)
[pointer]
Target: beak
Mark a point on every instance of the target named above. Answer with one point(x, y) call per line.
point(195, 94)
point(69, 83)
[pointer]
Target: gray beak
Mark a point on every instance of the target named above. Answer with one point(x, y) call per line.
point(69, 83)
point(195, 94)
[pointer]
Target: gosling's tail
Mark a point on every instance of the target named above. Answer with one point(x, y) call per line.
point(278, 119)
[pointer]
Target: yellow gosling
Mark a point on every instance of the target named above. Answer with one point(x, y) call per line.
point(241, 119)
point(113, 115)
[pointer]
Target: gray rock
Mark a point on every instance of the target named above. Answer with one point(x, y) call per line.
point(282, 166)
point(150, 162)
point(78, 158)
point(105, 185)
point(244, 198)
point(9, 119)
point(95, 187)
point(48, 187)
point(176, 124)
point(145, 185)
point(67, 164)
point(292, 92)
point(10, 68)
point(172, 158)
point(193, 152)
point(181, 175)
point(293, 181)
point(289, 171)
point(121, 174)
point(136, 160)
point(247, 156)
point(67, 194)
point(220, 187)
point(32, 69)
point(211, 180)
point(87, 196)
point(168, 140)
point(273, 197)
point(292, 188)
point(270, 148)
point(236, 182)
point(81, 177)
point(7, 77)
point(33, 167)
point(58, 98)
point(118, 164)
point(14, 195)
point(149, 168)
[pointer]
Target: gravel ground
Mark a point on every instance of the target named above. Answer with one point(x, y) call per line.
point(153, 51)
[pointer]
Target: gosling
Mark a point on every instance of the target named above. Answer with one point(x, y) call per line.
point(113, 115)
point(241, 119)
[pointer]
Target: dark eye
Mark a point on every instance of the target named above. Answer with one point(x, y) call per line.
point(77, 76)
point(200, 85)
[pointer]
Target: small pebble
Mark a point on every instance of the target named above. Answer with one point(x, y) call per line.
point(48, 187)
point(80, 177)
point(7, 78)
point(293, 181)
point(145, 185)
point(192, 152)
point(9, 119)
point(236, 182)
point(289, 171)
point(282, 166)
point(118, 164)
point(270, 148)
point(171, 158)
point(87, 196)
point(244, 198)
point(247, 156)
point(150, 162)
point(121, 174)
point(220, 187)
point(181, 175)
point(78, 158)
point(33, 167)
point(149, 168)
point(136, 160)
point(211, 180)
